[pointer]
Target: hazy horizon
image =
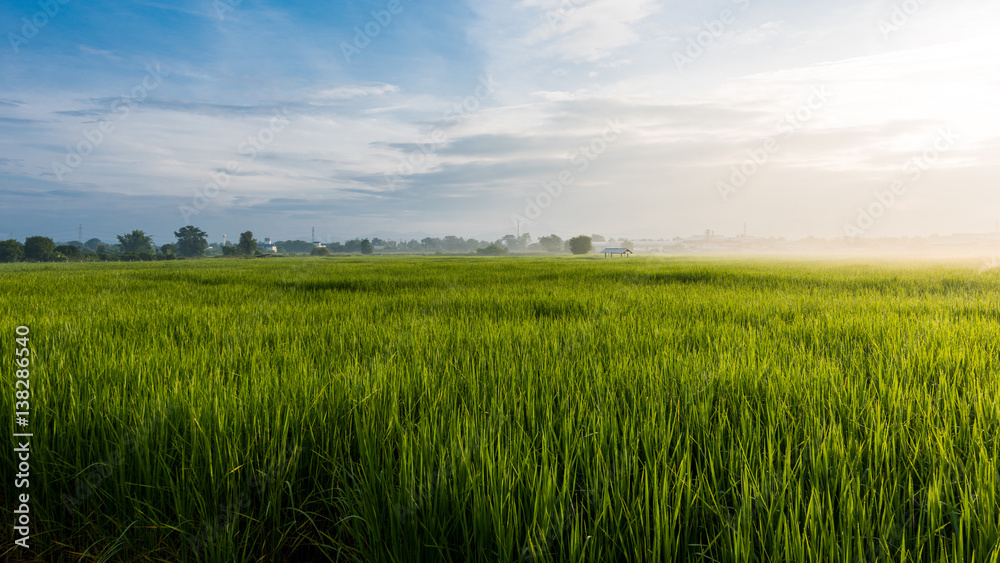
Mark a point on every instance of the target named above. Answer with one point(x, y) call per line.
point(637, 118)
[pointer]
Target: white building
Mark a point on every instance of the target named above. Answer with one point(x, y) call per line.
point(267, 247)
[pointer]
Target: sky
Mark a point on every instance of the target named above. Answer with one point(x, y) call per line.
point(410, 118)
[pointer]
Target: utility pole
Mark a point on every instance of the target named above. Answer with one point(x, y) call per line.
point(314, 235)
point(79, 237)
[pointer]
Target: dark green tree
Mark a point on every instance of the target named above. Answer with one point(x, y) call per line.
point(169, 251)
point(136, 242)
point(366, 247)
point(191, 241)
point(92, 244)
point(11, 251)
point(295, 247)
point(247, 245)
point(40, 249)
point(69, 251)
point(492, 250)
point(581, 245)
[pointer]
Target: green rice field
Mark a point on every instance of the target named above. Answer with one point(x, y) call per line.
point(506, 410)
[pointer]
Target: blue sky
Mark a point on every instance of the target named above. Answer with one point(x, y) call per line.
point(460, 117)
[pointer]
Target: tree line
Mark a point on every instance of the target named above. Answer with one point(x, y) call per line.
point(192, 242)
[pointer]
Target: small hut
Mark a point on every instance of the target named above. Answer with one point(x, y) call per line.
point(616, 252)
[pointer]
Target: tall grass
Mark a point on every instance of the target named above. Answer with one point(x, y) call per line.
point(508, 410)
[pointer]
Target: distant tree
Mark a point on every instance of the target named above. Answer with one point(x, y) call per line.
point(581, 245)
point(69, 251)
point(136, 242)
point(136, 257)
point(230, 250)
point(458, 244)
point(320, 252)
point(247, 245)
point(551, 243)
point(191, 241)
point(294, 247)
point(11, 251)
point(108, 252)
point(112, 252)
point(169, 251)
point(516, 243)
point(492, 250)
point(431, 244)
point(598, 238)
point(40, 249)
point(628, 244)
point(92, 244)
point(366, 247)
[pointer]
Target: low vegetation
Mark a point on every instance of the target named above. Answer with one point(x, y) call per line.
point(509, 409)
point(192, 242)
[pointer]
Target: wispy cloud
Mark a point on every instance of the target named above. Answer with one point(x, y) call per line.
point(586, 30)
point(352, 91)
point(99, 52)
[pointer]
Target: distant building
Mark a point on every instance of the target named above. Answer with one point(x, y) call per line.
point(616, 252)
point(267, 247)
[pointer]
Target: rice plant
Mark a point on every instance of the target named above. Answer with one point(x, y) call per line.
point(508, 409)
